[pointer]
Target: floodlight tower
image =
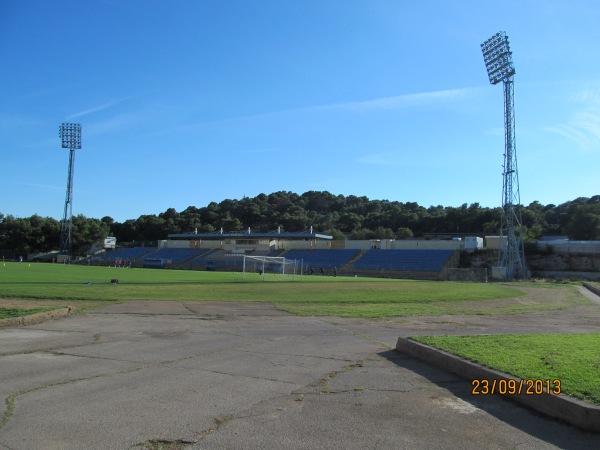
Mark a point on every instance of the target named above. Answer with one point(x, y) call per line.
point(499, 64)
point(70, 135)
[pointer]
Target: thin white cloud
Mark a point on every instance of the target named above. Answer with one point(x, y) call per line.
point(583, 128)
point(589, 95)
point(107, 105)
point(572, 134)
point(92, 110)
point(116, 123)
point(420, 99)
point(589, 122)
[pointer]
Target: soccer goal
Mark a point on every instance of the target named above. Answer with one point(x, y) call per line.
point(277, 265)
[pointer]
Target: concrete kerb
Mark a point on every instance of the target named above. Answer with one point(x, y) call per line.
point(562, 407)
point(33, 319)
point(592, 288)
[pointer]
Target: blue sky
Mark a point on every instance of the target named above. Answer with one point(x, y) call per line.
point(187, 102)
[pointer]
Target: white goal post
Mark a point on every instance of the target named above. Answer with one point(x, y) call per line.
point(269, 264)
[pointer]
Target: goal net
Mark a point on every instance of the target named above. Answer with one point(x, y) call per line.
point(279, 266)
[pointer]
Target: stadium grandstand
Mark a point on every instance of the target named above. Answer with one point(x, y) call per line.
point(313, 253)
point(314, 260)
point(132, 254)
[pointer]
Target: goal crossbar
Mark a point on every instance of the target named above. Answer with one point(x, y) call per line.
point(267, 262)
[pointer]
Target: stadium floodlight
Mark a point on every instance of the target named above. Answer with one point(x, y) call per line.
point(70, 135)
point(498, 58)
point(511, 256)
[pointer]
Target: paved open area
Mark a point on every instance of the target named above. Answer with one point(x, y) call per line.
point(248, 376)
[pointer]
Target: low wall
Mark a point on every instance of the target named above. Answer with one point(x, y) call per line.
point(592, 288)
point(565, 262)
point(571, 247)
point(569, 275)
point(473, 274)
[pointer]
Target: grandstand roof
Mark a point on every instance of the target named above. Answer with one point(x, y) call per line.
point(242, 235)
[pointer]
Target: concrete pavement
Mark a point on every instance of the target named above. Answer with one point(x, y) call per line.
point(246, 376)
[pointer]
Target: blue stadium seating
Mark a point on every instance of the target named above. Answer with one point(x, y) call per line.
point(176, 255)
point(371, 260)
point(403, 260)
point(327, 259)
point(219, 257)
point(125, 254)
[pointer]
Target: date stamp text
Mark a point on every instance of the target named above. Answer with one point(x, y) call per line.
point(516, 387)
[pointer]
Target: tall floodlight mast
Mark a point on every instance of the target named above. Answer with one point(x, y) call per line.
point(70, 135)
point(499, 64)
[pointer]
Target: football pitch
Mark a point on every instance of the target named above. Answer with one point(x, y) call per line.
point(26, 288)
point(59, 285)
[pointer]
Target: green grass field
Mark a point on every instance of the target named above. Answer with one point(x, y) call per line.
point(573, 359)
point(306, 295)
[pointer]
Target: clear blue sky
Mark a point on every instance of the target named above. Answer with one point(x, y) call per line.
point(187, 102)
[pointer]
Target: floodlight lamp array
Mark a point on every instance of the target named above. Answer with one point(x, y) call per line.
point(70, 135)
point(498, 58)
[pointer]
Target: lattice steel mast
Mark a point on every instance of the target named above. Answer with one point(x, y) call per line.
point(70, 135)
point(499, 64)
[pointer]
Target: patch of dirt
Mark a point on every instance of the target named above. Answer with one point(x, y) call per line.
point(34, 304)
point(569, 312)
point(58, 308)
point(35, 318)
point(28, 304)
point(536, 297)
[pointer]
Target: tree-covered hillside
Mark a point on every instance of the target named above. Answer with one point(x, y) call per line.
point(344, 217)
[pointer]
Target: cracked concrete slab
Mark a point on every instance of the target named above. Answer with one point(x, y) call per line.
point(31, 339)
point(31, 371)
point(130, 407)
point(410, 412)
point(231, 375)
point(294, 369)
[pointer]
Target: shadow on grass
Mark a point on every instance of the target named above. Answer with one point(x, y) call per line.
point(529, 421)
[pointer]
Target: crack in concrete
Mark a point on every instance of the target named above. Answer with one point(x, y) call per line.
point(180, 444)
point(10, 400)
point(251, 377)
point(96, 338)
point(149, 364)
point(166, 444)
point(10, 406)
point(188, 308)
point(323, 382)
point(295, 397)
point(328, 358)
point(272, 412)
point(366, 337)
